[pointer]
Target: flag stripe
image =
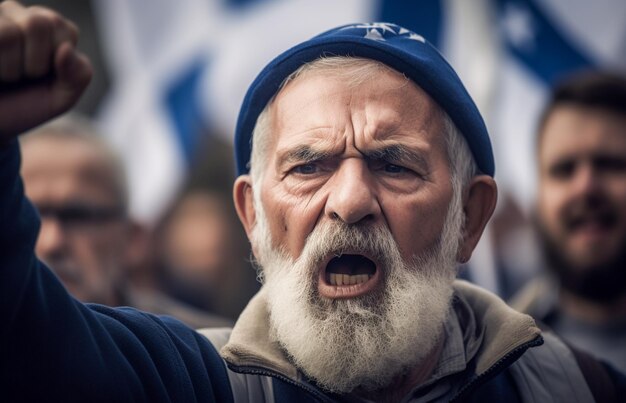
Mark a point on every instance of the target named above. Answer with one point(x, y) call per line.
point(182, 102)
point(547, 53)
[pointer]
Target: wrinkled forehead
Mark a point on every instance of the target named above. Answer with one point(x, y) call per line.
point(393, 101)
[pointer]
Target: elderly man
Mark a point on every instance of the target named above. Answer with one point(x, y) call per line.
point(363, 181)
point(581, 216)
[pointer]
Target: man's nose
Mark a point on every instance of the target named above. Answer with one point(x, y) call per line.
point(353, 195)
point(586, 181)
point(52, 238)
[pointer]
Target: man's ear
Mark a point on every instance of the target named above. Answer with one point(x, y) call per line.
point(244, 203)
point(479, 202)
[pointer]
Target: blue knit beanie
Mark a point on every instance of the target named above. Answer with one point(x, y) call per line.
point(397, 47)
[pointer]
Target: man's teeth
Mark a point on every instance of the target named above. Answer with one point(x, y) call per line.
point(346, 279)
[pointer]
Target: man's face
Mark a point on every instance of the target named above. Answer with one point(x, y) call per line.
point(374, 154)
point(350, 226)
point(84, 233)
point(582, 198)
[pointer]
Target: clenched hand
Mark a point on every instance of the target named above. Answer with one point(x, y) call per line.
point(41, 73)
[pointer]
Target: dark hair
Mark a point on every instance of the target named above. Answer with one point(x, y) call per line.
point(592, 89)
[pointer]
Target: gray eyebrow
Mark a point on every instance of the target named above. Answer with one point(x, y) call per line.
point(303, 153)
point(397, 152)
point(391, 153)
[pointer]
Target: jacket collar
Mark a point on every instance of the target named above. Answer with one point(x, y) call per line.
point(504, 329)
point(490, 331)
point(250, 345)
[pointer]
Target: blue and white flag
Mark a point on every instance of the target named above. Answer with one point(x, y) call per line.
point(157, 51)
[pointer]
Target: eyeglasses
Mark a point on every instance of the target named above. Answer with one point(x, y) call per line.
point(81, 215)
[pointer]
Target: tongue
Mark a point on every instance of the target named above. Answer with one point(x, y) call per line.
point(351, 264)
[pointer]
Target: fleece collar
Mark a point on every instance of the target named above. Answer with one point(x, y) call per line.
point(490, 330)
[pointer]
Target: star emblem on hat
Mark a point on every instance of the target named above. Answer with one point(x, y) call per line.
point(385, 27)
point(415, 37)
point(374, 34)
point(380, 31)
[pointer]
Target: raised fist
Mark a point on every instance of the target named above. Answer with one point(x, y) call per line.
point(41, 73)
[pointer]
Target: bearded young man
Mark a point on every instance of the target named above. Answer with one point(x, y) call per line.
point(369, 178)
point(581, 216)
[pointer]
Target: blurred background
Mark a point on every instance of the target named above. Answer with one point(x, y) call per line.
point(170, 77)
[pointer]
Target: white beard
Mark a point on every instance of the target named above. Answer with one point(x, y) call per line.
point(367, 341)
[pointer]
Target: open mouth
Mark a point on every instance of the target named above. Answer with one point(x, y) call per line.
point(349, 269)
point(348, 275)
point(602, 222)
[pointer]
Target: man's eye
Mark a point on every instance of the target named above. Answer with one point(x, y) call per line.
point(305, 169)
point(563, 170)
point(610, 164)
point(394, 169)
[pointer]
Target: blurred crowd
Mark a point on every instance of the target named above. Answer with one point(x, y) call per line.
point(193, 263)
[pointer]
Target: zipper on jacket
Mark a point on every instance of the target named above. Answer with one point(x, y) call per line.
point(503, 363)
point(267, 372)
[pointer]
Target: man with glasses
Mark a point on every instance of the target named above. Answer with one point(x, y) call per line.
point(77, 184)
